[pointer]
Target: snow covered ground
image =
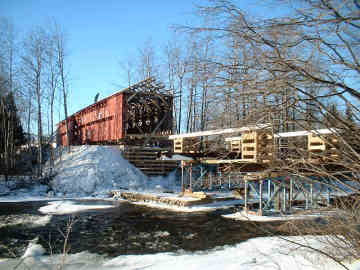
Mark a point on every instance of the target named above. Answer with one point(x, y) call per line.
point(10, 193)
point(257, 253)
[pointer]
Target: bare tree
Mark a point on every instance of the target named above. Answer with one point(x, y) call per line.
point(177, 63)
point(7, 48)
point(297, 65)
point(7, 54)
point(60, 45)
point(128, 67)
point(34, 65)
point(52, 83)
point(148, 63)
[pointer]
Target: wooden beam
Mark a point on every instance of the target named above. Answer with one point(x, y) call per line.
point(305, 133)
point(230, 139)
point(291, 134)
point(219, 131)
point(224, 161)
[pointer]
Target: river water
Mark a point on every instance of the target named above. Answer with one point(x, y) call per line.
point(124, 229)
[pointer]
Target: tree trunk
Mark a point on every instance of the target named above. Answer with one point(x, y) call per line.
point(40, 135)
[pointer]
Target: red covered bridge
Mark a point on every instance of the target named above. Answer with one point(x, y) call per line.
point(139, 112)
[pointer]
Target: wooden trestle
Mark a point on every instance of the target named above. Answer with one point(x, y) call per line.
point(257, 157)
point(275, 190)
point(147, 160)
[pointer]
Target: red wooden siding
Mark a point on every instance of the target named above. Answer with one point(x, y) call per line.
point(97, 123)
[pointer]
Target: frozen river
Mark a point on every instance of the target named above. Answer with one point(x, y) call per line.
point(122, 229)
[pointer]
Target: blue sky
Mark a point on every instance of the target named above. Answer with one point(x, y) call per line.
point(101, 34)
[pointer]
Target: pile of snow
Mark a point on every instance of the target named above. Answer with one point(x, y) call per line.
point(94, 170)
point(257, 253)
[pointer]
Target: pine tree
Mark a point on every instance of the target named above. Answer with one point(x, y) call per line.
point(12, 111)
point(11, 132)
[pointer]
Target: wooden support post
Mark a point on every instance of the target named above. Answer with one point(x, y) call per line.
point(311, 195)
point(306, 199)
point(220, 177)
point(328, 195)
point(246, 196)
point(260, 211)
point(284, 199)
point(269, 189)
point(229, 180)
point(277, 197)
point(190, 173)
point(291, 195)
point(182, 176)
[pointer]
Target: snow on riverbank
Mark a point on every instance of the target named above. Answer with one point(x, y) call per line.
point(94, 170)
point(242, 215)
point(257, 253)
point(36, 192)
point(88, 171)
point(68, 207)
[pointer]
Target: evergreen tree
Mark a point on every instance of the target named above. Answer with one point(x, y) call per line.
point(19, 137)
point(11, 132)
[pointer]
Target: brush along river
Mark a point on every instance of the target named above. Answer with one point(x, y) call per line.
point(122, 229)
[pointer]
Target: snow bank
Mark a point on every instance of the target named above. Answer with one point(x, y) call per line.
point(36, 192)
point(94, 170)
point(257, 253)
point(68, 207)
point(242, 215)
point(18, 184)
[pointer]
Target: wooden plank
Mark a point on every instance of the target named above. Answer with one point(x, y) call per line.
point(236, 138)
point(250, 128)
point(300, 133)
point(235, 146)
point(305, 133)
point(225, 161)
point(219, 131)
point(186, 145)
